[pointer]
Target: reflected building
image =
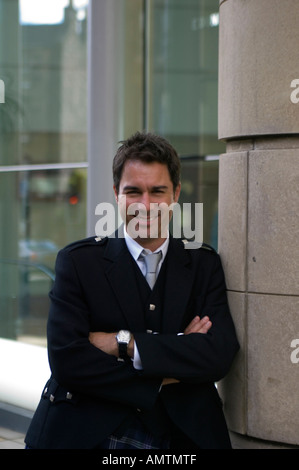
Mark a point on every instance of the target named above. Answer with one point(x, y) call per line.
point(74, 89)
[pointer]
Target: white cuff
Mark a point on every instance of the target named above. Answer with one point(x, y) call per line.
point(137, 360)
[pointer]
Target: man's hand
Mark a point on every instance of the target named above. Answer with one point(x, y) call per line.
point(107, 343)
point(198, 325)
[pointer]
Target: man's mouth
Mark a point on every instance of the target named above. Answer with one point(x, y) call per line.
point(154, 217)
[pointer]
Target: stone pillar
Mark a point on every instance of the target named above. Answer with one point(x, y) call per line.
point(102, 103)
point(259, 216)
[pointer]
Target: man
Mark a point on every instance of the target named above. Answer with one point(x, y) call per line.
point(134, 360)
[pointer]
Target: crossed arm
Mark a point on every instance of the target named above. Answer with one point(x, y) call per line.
point(107, 343)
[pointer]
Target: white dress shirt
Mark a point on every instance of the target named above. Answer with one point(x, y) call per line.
point(135, 249)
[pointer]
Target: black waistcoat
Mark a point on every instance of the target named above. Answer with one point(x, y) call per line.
point(152, 300)
point(156, 420)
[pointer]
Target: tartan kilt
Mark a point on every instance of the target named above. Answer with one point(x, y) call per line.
point(136, 436)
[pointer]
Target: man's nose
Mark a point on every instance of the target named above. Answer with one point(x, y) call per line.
point(146, 201)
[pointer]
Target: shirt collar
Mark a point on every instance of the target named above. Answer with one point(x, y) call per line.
point(135, 249)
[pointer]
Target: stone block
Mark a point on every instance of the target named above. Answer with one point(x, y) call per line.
point(258, 61)
point(273, 221)
point(232, 388)
point(273, 398)
point(233, 218)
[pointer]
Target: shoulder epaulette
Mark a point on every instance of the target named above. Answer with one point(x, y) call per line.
point(193, 245)
point(91, 241)
point(205, 246)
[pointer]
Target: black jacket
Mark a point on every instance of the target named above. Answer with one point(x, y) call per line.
point(90, 393)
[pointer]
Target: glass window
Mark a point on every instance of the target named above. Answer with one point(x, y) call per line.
point(43, 152)
point(131, 58)
point(45, 211)
point(182, 83)
point(165, 58)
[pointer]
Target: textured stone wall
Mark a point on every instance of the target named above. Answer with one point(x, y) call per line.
point(259, 215)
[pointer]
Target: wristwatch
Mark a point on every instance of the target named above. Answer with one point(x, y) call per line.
point(123, 338)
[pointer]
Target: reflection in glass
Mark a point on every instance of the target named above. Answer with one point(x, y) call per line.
point(167, 78)
point(182, 100)
point(200, 184)
point(24, 308)
point(43, 65)
point(44, 69)
point(45, 210)
point(183, 74)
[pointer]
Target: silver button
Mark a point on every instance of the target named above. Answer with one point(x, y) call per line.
point(152, 307)
point(69, 396)
point(52, 398)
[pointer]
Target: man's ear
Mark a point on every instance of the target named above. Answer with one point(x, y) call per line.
point(177, 192)
point(115, 193)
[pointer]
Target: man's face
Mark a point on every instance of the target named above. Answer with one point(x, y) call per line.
point(144, 188)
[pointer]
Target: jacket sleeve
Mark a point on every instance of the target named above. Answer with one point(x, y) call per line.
point(195, 358)
point(74, 361)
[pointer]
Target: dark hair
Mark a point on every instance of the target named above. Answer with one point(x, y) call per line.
point(148, 148)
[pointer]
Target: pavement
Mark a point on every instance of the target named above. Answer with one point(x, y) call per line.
point(10, 439)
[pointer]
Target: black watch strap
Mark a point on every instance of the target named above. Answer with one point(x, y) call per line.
point(122, 350)
point(123, 338)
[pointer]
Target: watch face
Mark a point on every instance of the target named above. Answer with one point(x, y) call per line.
point(124, 336)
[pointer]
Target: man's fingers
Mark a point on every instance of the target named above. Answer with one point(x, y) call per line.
point(192, 326)
point(206, 326)
point(169, 381)
point(198, 325)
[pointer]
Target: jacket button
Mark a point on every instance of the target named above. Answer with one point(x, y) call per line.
point(152, 307)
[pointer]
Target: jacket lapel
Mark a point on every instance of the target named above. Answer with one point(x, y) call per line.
point(178, 284)
point(121, 277)
point(177, 287)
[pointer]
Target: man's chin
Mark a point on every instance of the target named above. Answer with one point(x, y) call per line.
point(139, 232)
